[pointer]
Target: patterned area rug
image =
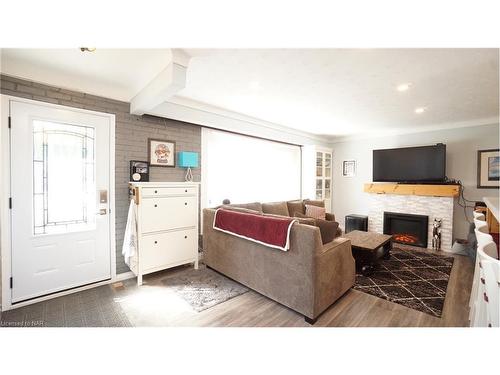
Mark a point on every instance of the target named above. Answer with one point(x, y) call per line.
point(412, 278)
point(203, 288)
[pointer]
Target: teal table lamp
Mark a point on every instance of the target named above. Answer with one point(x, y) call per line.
point(188, 160)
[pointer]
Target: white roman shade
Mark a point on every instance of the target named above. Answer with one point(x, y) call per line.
point(247, 169)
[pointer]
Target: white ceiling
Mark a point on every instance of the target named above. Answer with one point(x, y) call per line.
point(348, 91)
point(337, 92)
point(113, 73)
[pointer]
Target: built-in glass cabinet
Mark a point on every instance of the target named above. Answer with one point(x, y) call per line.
point(324, 177)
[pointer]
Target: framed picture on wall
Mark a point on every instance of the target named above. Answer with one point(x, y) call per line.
point(349, 168)
point(139, 171)
point(161, 153)
point(488, 169)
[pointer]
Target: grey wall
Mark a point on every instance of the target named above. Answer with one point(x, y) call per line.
point(132, 133)
point(462, 145)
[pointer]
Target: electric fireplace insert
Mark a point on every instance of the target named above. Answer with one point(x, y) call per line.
point(407, 229)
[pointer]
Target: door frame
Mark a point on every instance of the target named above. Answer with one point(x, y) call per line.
point(5, 217)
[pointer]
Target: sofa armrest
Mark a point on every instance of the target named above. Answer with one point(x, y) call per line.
point(330, 246)
point(334, 273)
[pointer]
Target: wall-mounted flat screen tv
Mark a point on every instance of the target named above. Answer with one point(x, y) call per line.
point(410, 164)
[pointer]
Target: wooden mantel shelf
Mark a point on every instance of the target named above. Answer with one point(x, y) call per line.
point(406, 189)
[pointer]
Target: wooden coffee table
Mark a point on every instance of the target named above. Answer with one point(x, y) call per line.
point(368, 248)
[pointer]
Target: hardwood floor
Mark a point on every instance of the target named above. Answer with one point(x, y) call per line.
point(153, 304)
point(354, 309)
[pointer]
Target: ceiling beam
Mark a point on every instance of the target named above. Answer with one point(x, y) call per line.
point(166, 84)
point(191, 111)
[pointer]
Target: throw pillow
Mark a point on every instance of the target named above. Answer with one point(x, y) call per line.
point(315, 212)
point(328, 230)
point(314, 203)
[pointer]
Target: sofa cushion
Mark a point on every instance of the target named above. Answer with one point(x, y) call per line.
point(300, 220)
point(296, 206)
point(275, 208)
point(301, 215)
point(256, 206)
point(306, 221)
point(315, 212)
point(241, 209)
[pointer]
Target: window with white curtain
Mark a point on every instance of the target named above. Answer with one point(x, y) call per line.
point(246, 169)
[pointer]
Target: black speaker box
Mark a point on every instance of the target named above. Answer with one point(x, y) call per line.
point(356, 222)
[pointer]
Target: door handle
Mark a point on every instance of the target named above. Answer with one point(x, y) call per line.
point(102, 211)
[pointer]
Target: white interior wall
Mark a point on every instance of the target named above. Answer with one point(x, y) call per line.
point(308, 172)
point(461, 163)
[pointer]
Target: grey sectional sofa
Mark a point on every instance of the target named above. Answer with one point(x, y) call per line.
point(307, 278)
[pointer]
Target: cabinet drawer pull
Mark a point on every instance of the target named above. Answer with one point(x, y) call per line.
point(156, 241)
point(185, 236)
point(185, 191)
point(156, 205)
point(156, 191)
point(185, 204)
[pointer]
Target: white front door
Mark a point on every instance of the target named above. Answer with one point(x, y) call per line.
point(60, 178)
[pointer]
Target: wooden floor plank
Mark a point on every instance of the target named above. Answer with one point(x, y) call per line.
point(154, 305)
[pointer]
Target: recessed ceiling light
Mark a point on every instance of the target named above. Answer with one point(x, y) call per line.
point(403, 87)
point(87, 49)
point(420, 110)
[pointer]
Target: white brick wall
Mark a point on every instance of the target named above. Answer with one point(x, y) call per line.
point(132, 133)
point(434, 207)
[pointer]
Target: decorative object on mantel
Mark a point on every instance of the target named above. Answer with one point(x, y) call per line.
point(139, 171)
point(436, 234)
point(161, 153)
point(488, 169)
point(188, 160)
point(349, 168)
point(413, 278)
point(410, 189)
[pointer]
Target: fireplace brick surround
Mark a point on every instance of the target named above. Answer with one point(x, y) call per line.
point(434, 207)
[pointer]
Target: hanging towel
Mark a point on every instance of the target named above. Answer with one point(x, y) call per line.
point(129, 248)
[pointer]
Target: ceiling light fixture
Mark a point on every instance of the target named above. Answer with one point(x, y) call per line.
point(403, 87)
point(420, 110)
point(87, 49)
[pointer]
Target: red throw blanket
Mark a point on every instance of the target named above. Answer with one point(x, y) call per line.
point(267, 230)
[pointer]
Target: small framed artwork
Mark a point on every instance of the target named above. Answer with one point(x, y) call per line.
point(139, 171)
point(161, 153)
point(488, 169)
point(349, 168)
